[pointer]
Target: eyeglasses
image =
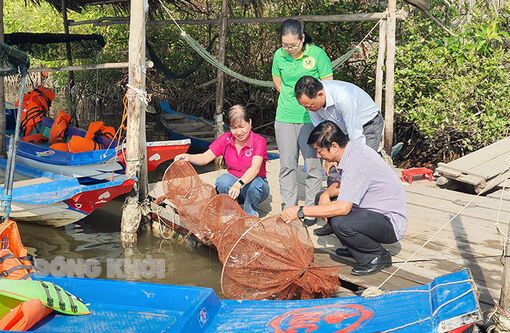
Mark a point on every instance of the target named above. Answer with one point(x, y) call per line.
point(291, 47)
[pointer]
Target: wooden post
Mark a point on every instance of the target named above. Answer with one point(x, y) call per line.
point(70, 77)
point(380, 62)
point(390, 77)
point(135, 156)
point(220, 84)
point(2, 91)
point(504, 298)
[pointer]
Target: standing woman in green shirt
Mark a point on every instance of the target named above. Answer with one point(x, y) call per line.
point(296, 58)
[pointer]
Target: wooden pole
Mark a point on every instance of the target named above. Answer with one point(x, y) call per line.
point(380, 62)
point(390, 77)
point(2, 90)
point(220, 84)
point(504, 298)
point(69, 56)
point(135, 156)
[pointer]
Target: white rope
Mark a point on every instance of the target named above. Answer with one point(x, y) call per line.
point(383, 17)
point(140, 94)
point(171, 16)
point(433, 314)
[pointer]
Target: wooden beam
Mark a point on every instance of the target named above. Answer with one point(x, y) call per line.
point(390, 77)
point(220, 76)
point(504, 298)
point(111, 65)
point(2, 90)
point(69, 56)
point(379, 74)
point(105, 21)
point(135, 156)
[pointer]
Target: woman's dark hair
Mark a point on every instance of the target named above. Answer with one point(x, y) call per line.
point(236, 113)
point(326, 133)
point(308, 86)
point(296, 28)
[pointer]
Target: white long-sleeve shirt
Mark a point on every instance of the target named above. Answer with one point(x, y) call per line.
point(348, 106)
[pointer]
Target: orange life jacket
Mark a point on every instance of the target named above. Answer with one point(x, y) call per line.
point(60, 146)
point(97, 128)
point(59, 127)
point(15, 262)
point(34, 138)
point(24, 316)
point(79, 144)
point(35, 105)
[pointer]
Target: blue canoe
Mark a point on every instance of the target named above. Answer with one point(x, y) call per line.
point(50, 199)
point(200, 131)
point(447, 303)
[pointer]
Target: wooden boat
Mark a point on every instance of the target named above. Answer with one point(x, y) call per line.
point(90, 166)
point(199, 130)
point(448, 304)
point(50, 199)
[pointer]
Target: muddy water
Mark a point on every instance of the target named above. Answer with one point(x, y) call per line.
point(91, 248)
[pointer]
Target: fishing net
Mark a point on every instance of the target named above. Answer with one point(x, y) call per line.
point(262, 258)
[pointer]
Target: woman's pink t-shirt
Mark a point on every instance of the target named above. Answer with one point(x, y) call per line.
point(239, 163)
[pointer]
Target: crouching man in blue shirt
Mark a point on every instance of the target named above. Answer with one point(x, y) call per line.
point(365, 207)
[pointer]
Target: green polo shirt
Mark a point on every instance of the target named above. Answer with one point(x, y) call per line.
point(313, 62)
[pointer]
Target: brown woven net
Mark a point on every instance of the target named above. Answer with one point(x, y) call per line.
point(262, 258)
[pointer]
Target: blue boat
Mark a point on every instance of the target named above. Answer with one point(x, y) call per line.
point(200, 131)
point(447, 304)
point(89, 167)
point(55, 200)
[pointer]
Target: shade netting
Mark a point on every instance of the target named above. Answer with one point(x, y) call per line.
point(262, 258)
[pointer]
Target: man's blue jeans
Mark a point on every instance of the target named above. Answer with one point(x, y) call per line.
point(251, 194)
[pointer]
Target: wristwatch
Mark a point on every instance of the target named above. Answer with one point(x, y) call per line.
point(300, 214)
point(240, 181)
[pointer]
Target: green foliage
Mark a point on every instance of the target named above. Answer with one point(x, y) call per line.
point(454, 92)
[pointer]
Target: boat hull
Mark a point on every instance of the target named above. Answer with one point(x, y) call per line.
point(448, 303)
point(55, 200)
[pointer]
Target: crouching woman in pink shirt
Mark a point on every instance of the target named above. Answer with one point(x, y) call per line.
point(245, 155)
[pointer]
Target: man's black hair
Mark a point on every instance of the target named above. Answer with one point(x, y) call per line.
point(308, 86)
point(326, 133)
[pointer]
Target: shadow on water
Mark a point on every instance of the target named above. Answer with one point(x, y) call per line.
point(97, 237)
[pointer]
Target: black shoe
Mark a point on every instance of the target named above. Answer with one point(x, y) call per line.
point(309, 221)
point(376, 265)
point(323, 231)
point(343, 252)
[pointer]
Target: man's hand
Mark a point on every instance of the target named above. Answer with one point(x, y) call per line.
point(289, 214)
point(328, 165)
point(234, 190)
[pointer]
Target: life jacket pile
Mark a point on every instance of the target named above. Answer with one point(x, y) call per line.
point(90, 142)
point(35, 105)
